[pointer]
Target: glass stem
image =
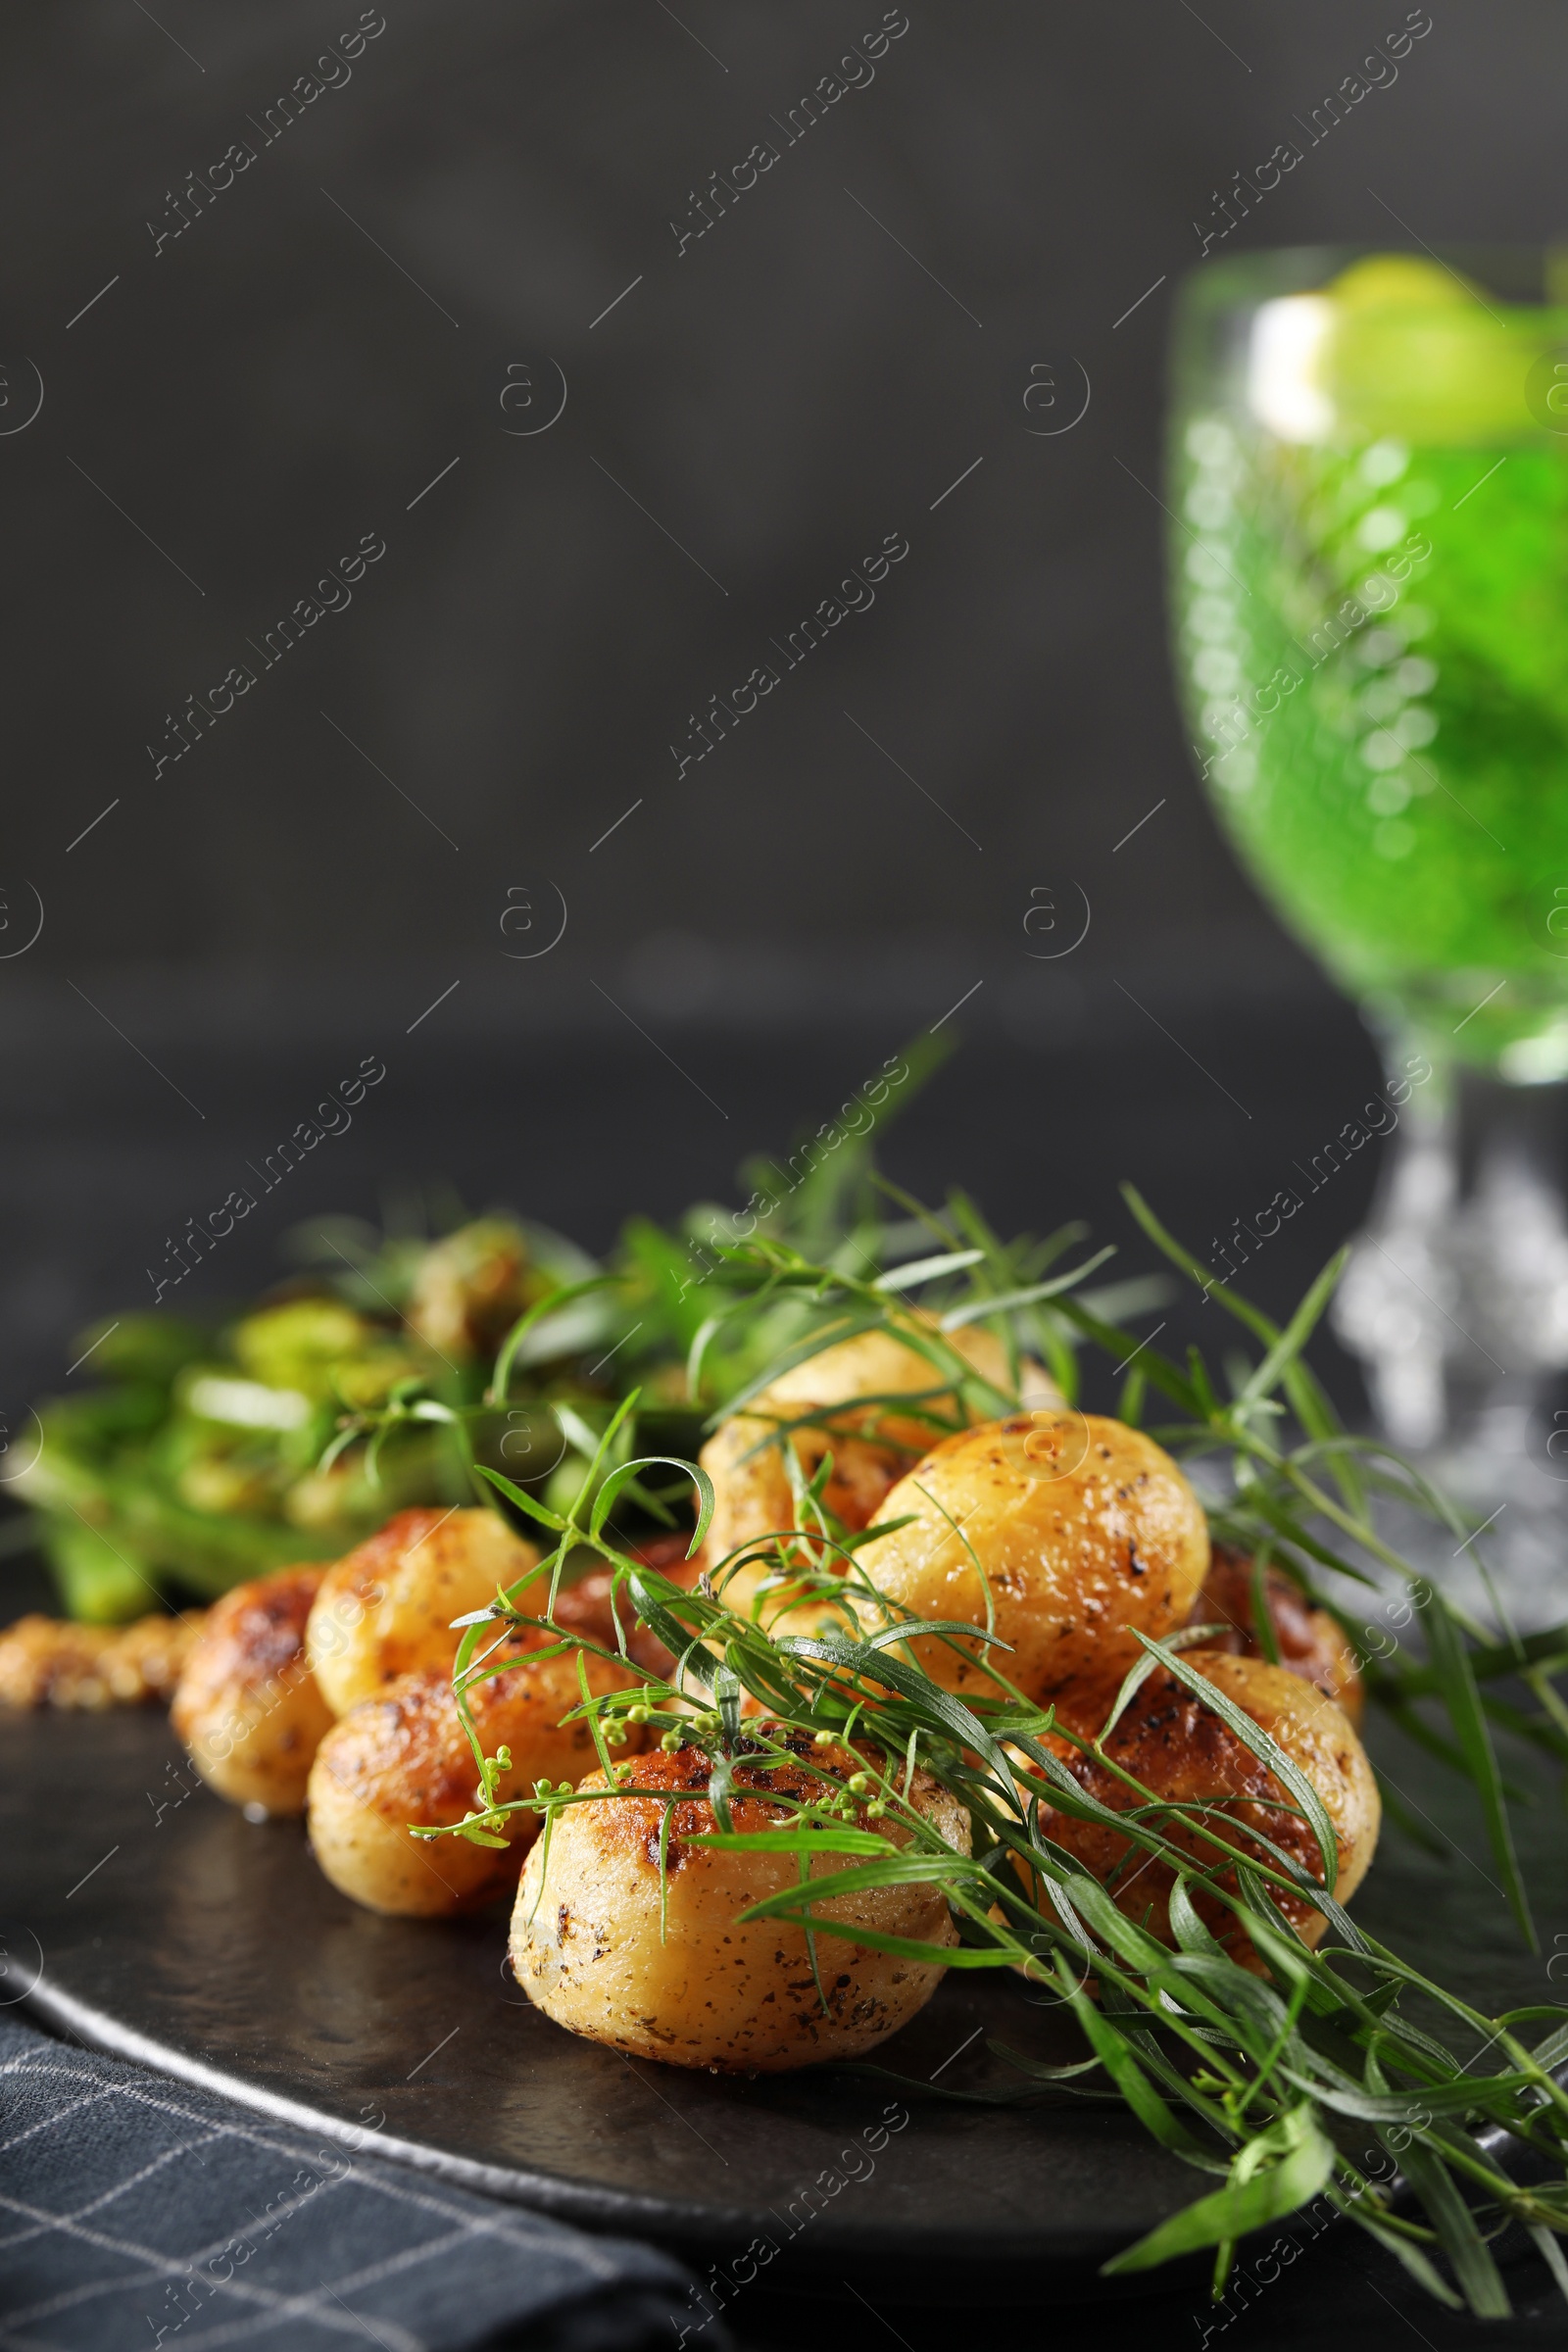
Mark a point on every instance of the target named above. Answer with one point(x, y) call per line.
point(1456, 1297)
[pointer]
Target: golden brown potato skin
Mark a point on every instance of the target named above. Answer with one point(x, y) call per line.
point(871, 1446)
point(404, 1758)
point(1085, 1529)
point(1309, 1641)
point(386, 1610)
point(1180, 1749)
point(247, 1706)
point(736, 1998)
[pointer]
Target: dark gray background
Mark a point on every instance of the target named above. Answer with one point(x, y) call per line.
point(269, 385)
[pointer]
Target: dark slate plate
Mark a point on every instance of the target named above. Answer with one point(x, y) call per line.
point(153, 1921)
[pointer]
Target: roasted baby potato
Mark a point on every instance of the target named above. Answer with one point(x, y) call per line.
point(871, 1444)
point(1177, 1748)
point(386, 1610)
point(247, 1706)
point(1308, 1642)
point(661, 1967)
point(403, 1759)
point(1080, 1529)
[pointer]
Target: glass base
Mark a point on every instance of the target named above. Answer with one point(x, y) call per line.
point(1456, 1301)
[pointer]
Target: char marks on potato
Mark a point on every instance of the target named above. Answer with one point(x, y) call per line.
point(1181, 1751)
point(248, 1707)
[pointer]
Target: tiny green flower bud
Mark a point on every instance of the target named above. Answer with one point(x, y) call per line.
point(670, 1742)
point(860, 1782)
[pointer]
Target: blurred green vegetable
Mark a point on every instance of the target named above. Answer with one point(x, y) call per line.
point(199, 1460)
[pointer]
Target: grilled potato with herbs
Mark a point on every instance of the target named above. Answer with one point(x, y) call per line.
point(403, 1759)
point(1174, 1745)
point(1076, 1529)
point(386, 1610)
point(871, 1444)
point(658, 1962)
point(247, 1706)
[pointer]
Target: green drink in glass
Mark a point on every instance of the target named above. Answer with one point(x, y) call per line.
point(1369, 476)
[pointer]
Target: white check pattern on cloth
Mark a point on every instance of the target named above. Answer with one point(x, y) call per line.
point(139, 2213)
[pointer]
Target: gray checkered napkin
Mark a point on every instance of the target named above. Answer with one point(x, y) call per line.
point(139, 2212)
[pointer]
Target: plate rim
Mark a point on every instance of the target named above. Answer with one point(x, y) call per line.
point(631, 2213)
